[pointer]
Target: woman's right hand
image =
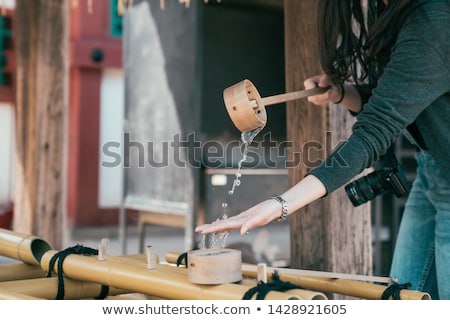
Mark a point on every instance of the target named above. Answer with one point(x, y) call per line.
point(331, 95)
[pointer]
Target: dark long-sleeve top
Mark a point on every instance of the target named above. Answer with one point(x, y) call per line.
point(415, 86)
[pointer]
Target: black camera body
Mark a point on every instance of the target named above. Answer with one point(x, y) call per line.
point(389, 177)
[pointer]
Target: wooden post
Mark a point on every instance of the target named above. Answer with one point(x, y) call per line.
point(330, 234)
point(41, 51)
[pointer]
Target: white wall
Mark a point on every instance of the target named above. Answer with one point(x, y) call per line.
point(111, 130)
point(9, 4)
point(7, 139)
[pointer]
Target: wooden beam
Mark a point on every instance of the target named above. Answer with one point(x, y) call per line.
point(328, 235)
point(41, 65)
point(162, 219)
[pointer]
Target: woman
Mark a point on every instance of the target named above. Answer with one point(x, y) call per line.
point(399, 68)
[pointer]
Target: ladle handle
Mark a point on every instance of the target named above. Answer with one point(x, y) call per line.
point(284, 97)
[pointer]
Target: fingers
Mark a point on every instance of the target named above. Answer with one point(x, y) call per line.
point(227, 225)
point(258, 215)
point(311, 83)
point(318, 81)
point(239, 222)
point(324, 81)
point(210, 228)
point(246, 227)
point(220, 226)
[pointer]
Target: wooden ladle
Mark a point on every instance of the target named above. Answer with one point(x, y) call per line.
point(247, 109)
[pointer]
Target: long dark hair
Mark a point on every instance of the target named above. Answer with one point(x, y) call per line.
point(355, 42)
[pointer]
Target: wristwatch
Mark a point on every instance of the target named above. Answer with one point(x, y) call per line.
point(284, 207)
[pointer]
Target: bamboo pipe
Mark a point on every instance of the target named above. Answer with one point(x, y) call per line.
point(10, 295)
point(25, 248)
point(142, 280)
point(132, 296)
point(322, 274)
point(139, 261)
point(250, 283)
point(246, 108)
point(302, 294)
point(247, 284)
point(47, 288)
point(352, 288)
point(20, 271)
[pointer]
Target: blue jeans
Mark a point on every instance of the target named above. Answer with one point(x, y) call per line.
point(422, 252)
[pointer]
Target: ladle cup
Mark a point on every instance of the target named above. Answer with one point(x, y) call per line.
point(247, 109)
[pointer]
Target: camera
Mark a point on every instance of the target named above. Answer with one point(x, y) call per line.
point(389, 177)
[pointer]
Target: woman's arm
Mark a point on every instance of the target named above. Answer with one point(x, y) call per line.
point(306, 191)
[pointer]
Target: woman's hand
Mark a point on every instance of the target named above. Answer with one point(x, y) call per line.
point(331, 95)
point(304, 192)
point(258, 215)
point(345, 95)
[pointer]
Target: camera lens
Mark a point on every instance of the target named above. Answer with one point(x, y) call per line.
point(353, 194)
point(365, 188)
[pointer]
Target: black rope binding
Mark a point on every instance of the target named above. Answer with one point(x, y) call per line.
point(184, 256)
point(263, 288)
point(103, 293)
point(60, 256)
point(393, 291)
point(181, 257)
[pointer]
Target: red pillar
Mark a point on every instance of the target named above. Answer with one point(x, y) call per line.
point(92, 48)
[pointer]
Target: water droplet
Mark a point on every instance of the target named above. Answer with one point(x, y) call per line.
point(213, 240)
point(203, 243)
point(224, 237)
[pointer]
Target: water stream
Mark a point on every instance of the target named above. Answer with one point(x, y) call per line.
point(246, 138)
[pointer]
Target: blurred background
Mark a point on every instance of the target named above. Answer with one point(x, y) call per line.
point(112, 122)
